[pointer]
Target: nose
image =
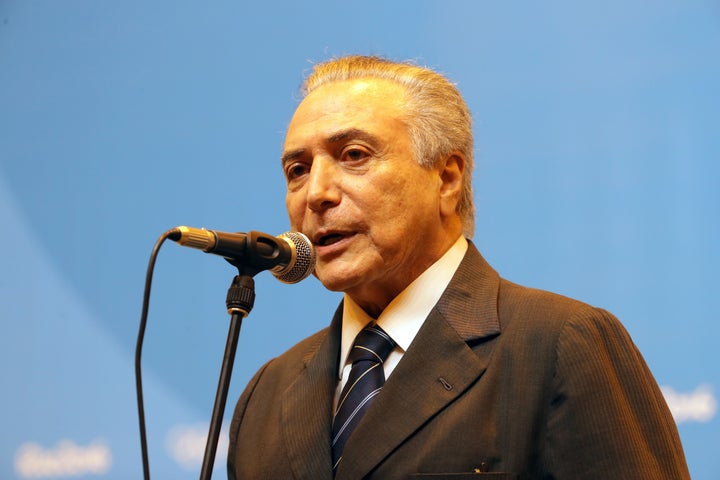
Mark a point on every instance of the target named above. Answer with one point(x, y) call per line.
point(323, 184)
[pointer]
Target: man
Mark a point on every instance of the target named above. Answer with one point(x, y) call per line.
point(483, 377)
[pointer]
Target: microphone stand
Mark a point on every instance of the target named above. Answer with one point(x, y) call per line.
point(251, 254)
point(240, 300)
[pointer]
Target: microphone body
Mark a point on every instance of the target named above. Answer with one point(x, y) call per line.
point(290, 257)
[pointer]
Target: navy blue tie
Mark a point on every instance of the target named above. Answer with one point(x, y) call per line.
point(371, 348)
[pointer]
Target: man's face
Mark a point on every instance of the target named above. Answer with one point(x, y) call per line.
point(355, 189)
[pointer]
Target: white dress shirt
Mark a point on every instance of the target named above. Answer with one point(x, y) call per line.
point(404, 316)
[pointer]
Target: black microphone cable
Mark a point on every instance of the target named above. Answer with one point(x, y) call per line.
point(138, 351)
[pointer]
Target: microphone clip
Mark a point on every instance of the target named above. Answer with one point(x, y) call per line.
point(253, 252)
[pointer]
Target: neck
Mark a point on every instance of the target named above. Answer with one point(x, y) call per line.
point(373, 298)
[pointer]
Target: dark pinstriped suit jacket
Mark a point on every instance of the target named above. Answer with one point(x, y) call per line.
point(501, 379)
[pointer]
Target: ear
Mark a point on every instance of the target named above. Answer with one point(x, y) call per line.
point(451, 173)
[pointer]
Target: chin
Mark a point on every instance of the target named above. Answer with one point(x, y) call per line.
point(337, 280)
point(334, 284)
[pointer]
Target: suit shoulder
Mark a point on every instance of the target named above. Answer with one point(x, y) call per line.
point(305, 348)
point(535, 308)
point(279, 372)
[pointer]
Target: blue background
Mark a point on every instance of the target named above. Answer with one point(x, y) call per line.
point(597, 177)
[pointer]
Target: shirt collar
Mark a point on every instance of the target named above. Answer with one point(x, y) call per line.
point(405, 314)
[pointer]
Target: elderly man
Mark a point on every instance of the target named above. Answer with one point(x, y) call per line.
point(433, 366)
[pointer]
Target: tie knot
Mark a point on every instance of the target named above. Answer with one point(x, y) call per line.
point(373, 344)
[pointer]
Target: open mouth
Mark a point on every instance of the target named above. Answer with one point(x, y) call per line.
point(330, 239)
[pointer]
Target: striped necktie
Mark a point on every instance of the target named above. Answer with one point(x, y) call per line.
point(371, 348)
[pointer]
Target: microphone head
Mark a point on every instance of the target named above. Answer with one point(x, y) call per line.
point(302, 263)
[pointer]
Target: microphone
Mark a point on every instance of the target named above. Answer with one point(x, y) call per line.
point(290, 257)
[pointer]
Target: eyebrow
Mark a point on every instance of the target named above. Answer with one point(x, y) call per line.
point(288, 157)
point(355, 133)
point(341, 136)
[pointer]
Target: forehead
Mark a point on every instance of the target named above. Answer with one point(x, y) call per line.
point(361, 103)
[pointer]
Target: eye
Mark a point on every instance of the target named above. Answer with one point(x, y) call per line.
point(355, 154)
point(295, 170)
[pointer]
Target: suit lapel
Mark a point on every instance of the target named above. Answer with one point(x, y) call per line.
point(437, 368)
point(307, 408)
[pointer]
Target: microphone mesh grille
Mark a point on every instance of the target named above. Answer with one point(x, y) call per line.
point(304, 258)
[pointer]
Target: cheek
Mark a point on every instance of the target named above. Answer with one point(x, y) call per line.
point(387, 214)
point(295, 210)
